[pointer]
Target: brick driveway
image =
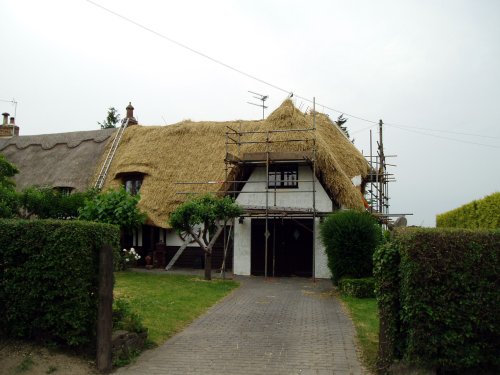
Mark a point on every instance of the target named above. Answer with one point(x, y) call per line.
point(281, 326)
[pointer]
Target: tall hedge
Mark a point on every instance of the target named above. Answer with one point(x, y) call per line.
point(439, 298)
point(350, 238)
point(49, 278)
point(483, 213)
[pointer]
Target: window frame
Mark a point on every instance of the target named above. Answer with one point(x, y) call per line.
point(135, 179)
point(288, 176)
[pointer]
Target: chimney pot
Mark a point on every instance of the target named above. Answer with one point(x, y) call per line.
point(130, 114)
point(12, 121)
point(5, 118)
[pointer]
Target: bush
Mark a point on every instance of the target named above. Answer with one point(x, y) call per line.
point(44, 202)
point(350, 238)
point(49, 278)
point(480, 214)
point(359, 288)
point(124, 318)
point(439, 297)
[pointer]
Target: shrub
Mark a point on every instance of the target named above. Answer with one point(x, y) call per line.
point(439, 297)
point(359, 288)
point(350, 238)
point(124, 318)
point(483, 213)
point(49, 278)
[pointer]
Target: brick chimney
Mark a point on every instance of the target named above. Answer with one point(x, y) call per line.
point(8, 129)
point(130, 115)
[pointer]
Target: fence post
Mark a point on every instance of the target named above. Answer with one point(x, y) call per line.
point(105, 309)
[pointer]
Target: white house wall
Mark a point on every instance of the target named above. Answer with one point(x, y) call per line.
point(292, 198)
point(296, 198)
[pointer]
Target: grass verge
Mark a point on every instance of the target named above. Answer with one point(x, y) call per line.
point(168, 303)
point(364, 314)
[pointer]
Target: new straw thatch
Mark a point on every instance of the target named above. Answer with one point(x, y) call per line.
point(56, 160)
point(195, 152)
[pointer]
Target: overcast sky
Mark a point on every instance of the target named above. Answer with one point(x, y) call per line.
point(430, 67)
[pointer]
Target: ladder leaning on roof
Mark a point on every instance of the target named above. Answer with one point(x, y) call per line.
point(111, 153)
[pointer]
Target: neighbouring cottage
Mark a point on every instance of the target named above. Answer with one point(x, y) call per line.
point(287, 172)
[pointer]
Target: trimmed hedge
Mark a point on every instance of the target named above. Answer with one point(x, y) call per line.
point(350, 238)
point(49, 278)
point(439, 298)
point(483, 213)
point(359, 288)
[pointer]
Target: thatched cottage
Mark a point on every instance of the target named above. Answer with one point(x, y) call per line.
point(287, 172)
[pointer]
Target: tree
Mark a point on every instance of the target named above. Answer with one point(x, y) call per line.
point(111, 120)
point(9, 199)
point(204, 219)
point(341, 120)
point(113, 207)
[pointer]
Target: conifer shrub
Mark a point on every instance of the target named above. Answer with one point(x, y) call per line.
point(350, 238)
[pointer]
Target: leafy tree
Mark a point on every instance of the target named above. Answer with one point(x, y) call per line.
point(9, 199)
point(113, 207)
point(111, 120)
point(204, 218)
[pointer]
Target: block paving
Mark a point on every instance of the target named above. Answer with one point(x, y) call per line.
point(273, 326)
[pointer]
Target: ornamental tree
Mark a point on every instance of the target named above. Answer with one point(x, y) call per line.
point(204, 219)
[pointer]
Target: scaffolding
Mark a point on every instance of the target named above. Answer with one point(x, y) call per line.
point(247, 149)
point(238, 162)
point(377, 181)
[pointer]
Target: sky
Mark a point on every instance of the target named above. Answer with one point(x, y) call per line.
point(428, 69)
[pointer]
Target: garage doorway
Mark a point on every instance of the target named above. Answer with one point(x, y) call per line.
point(290, 245)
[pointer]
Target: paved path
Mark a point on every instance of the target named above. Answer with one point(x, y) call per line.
point(281, 326)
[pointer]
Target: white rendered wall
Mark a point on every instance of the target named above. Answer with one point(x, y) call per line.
point(297, 198)
point(293, 198)
point(242, 248)
point(321, 270)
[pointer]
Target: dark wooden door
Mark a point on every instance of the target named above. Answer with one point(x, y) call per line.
point(289, 247)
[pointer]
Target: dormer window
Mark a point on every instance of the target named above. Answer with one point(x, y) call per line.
point(64, 190)
point(132, 182)
point(283, 176)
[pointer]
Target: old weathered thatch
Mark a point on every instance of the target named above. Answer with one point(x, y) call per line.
point(195, 152)
point(56, 160)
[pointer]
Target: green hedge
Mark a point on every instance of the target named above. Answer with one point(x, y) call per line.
point(359, 288)
point(483, 213)
point(350, 238)
point(49, 278)
point(439, 298)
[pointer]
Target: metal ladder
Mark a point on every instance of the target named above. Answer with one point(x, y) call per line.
point(111, 153)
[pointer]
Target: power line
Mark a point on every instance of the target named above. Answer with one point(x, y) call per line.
point(441, 131)
point(443, 137)
point(276, 87)
point(222, 63)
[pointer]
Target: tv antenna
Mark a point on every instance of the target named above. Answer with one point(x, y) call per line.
point(262, 98)
point(13, 102)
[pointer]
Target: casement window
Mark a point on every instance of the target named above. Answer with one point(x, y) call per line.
point(283, 176)
point(63, 190)
point(132, 182)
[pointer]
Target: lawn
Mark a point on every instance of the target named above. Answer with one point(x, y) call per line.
point(168, 303)
point(364, 314)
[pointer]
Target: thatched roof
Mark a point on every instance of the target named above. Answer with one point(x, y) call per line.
point(195, 151)
point(57, 160)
